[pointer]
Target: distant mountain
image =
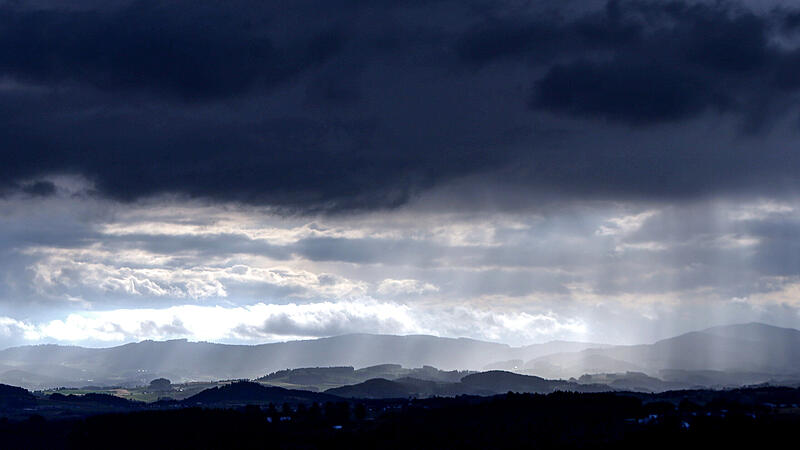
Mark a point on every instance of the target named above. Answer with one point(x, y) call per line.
point(756, 351)
point(179, 360)
point(500, 381)
point(484, 383)
point(93, 398)
point(375, 388)
point(322, 378)
point(533, 351)
point(566, 365)
point(406, 388)
point(633, 381)
point(245, 392)
point(512, 365)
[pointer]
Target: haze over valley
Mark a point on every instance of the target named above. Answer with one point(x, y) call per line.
point(726, 356)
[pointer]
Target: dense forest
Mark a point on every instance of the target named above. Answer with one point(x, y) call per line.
point(758, 418)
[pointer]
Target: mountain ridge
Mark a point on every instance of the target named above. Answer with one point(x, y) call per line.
point(752, 348)
point(184, 360)
point(749, 347)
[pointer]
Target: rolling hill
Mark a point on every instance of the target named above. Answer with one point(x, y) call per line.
point(483, 383)
point(322, 378)
point(244, 392)
point(719, 356)
point(43, 366)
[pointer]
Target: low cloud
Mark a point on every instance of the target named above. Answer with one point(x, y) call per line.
point(253, 323)
point(156, 275)
point(599, 271)
point(11, 329)
point(262, 322)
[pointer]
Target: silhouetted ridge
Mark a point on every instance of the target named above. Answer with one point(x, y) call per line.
point(242, 392)
point(104, 399)
point(322, 378)
point(7, 391)
point(374, 388)
point(14, 397)
point(502, 381)
point(485, 383)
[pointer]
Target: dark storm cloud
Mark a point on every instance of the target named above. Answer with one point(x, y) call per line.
point(539, 37)
point(357, 105)
point(636, 92)
point(647, 62)
point(663, 62)
point(39, 188)
point(167, 48)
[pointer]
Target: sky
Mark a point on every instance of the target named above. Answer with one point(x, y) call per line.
point(513, 171)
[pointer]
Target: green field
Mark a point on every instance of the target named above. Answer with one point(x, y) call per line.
point(141, 393)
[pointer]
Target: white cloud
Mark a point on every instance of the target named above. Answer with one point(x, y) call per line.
point(11, 328)
point(622, 225)
point(254, 323)
point(263, 322)
point(68, 268)
point(733, 241)
point(647, 246)
point(785, 292)
point(518, 328)
point(390, 287)
point(519, 277)
point(759, 210)
point(56, 273)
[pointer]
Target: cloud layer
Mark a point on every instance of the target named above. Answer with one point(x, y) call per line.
point(269, 323)
point(76, 268)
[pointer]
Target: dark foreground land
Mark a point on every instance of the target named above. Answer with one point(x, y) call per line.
point(765, 417)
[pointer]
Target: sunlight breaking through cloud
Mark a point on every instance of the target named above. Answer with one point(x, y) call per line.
point(521, 276)
point(270, 322)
